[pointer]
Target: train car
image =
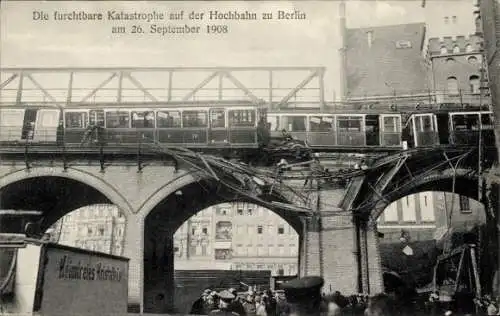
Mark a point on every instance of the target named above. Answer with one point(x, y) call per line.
point(465, 128)
point(29, 124)
point(232, 126)
point(449, 128)
point(421, 130)
point(339, 129)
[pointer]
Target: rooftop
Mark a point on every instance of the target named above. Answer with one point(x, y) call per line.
point(385, 60)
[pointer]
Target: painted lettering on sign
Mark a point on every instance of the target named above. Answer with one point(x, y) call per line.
point(69, 270)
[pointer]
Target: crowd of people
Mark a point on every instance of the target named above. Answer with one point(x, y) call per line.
point(304, 298)
point(266, 303)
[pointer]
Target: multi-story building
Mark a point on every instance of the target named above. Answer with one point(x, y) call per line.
point(456, 69)
point(443, 19)
point(488, 11)
point(429, 215)
point(99, 227)
point(385, 61)
point(238, 236)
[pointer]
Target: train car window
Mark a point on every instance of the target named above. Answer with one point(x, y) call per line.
point(392, 124)
point(427, 123)
point(143, 119)
point(294, 123)
point(118, 119)
point(321, 123)
point(76, 119)
point(96, 118)
point(242, 118)
point(168, 119)
point(217, 118)
point(349, 123)
point(486, 121)
point(465, 122)
point(194, 119)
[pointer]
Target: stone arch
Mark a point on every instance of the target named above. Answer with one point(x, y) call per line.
point(99, 189)
point(163, 213)
point(464, 185)
point(190, 179)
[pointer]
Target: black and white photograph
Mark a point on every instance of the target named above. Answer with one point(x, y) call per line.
point(250, 158)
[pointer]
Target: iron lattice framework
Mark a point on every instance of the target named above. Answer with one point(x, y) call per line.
point(274, 86)
point(395, 176)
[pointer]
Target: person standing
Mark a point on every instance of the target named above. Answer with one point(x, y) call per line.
point(304, 295)
point(225, 298)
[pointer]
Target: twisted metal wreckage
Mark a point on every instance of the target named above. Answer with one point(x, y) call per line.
point(296, 187)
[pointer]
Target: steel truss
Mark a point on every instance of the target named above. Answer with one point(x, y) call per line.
point(274, 86)
point(392, 176)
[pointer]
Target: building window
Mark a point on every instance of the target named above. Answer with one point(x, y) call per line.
point(456, 49)
point(281, 250)
point(474, 84)
point(250, 211)
point(101, 231)
point(468, 48)
point(454, 19)
point(223, 230)
point(401, 44)
point(205, 230)
point(464, 204)
point(450, 60)
point(89, 231)
point(444, 50)
point(193, 230)
point(452, 84)
point(425, 200)
point(281, 230)
point(472, 60)
point(259, 229)
point(446, 20)
point(240, 211)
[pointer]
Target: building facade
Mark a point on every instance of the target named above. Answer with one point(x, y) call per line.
point(238, 236)
point(429, 215)
point(489, 13)
point(457, 71)
point(99, 227)
point(385, 61)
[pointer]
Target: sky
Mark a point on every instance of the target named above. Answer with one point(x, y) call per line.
point(313, 41)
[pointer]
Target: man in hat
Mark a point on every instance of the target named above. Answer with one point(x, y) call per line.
point(304, 295)
point(225, 298)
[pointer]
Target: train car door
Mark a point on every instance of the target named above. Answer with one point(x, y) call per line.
point(142, 122)
point(372, 130)
point(425, 131)
point(390, 132)
point(195, 127)
point(218, 132)
point(242, 126)
point(321, 130)
point(351, 130)
point(46, 125)
point(11, 125)
point(76, 123)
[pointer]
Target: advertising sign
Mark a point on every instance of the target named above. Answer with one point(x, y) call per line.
point(79, 281)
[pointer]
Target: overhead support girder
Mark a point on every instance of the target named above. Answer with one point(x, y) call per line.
point(263, 85)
